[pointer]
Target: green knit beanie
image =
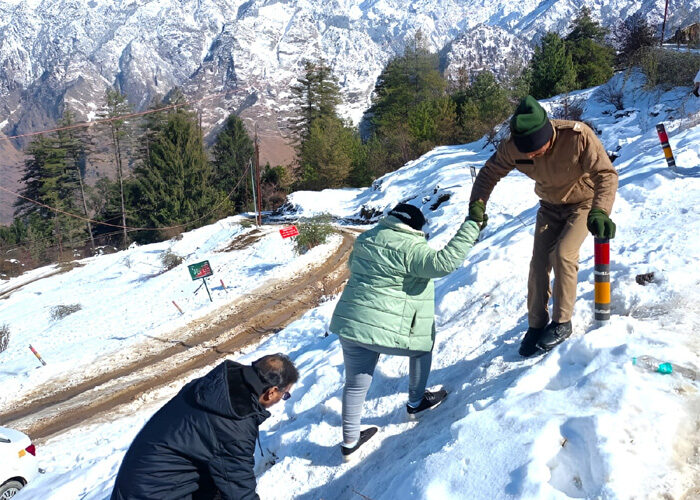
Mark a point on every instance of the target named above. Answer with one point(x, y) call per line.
point(529, 127)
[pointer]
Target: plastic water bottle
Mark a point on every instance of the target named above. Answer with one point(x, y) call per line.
point(655, 365)
point(652, 364)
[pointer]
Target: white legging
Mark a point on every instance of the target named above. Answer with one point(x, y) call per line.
point(360, 361)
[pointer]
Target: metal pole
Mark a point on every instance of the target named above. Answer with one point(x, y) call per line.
point(602, 280)
point(663, 26)
point(257, 174)
point(252, 183)
point(207, 287)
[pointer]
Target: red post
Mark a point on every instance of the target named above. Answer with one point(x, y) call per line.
point(663, 137)
point(602, 279)
point(37, 355)
point(223, 286)
point(178, 307)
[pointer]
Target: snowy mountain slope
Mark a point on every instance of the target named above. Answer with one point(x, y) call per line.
point(55, 53)
point(582, 422)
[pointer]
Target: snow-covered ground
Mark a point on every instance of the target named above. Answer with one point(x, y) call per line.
point(126, 299)
point(581, 422)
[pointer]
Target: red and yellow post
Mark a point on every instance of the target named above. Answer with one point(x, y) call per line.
point(663, 137)
point(602, 279)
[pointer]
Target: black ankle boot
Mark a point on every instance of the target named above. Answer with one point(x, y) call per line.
point(553, 335)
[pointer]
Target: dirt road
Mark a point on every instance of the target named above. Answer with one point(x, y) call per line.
point(66, 402)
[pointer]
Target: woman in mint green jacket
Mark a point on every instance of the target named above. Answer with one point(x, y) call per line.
point(388, 307)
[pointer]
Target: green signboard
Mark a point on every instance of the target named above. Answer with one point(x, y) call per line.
point(200, 270)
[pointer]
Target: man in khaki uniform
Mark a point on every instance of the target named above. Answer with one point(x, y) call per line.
point(576, 183)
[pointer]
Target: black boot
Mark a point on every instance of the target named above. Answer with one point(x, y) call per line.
point(553, 335)
point(528, 346)
point(364, 437)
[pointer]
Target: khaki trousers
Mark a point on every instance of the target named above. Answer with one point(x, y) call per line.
point(559, 234)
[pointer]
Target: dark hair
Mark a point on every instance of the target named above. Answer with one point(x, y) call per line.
point(276, 370)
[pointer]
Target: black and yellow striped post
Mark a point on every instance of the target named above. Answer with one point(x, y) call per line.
point(663, 137)
point(602, 279)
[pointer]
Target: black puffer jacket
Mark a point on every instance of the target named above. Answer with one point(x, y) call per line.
point(201, 441)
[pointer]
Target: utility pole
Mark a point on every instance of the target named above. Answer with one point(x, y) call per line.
point(663, 26)
point(257, 175)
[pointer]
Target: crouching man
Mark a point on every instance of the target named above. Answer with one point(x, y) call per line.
point(203, 440)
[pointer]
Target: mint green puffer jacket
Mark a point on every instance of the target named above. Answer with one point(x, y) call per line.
point(389, 300)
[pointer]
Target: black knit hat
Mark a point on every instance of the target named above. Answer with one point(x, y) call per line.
point(529, 127)
point(409, 215)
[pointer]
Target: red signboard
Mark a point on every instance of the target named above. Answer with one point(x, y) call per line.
point(289, 231)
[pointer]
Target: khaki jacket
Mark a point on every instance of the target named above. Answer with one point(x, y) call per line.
point(575, 169)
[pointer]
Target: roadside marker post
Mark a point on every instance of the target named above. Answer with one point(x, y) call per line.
point(223, 286)
point(663, 137)
point(602, 280)
point(38, 356)
point(201, 270)
point(178, 307)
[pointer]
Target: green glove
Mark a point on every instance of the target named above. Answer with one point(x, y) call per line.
point(477, 213)
point(600, 225)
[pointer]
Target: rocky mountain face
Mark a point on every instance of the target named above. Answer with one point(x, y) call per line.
point(242, 56)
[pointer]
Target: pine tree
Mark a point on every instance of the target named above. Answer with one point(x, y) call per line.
point(174, 184)
point(328, 155)
point(52, 177)
point(481, 106)
point(406, 81)
point(316, 95)
point(115, 106)
point(633, 34)
point(592, 58)
point(232, 153)
point(552, 68)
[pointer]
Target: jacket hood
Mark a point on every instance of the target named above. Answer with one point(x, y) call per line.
point(231, 390)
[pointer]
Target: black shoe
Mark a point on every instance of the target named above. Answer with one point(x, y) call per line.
point(430, 400)
point(553, 335)
point(364, 437)
point(528, 346)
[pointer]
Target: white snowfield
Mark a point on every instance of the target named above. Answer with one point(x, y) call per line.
point(581, 422)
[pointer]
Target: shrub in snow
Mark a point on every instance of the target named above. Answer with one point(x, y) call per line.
point(312, 232)
point(611, 94)
point(4, 336)
point(170, 259)
point(668, 68)
point(60, 312)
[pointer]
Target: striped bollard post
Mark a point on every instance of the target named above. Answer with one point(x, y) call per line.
point(602, 279)
point(38, 356)
point(663, 137)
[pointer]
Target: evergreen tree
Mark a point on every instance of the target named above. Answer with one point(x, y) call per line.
point(481, 106)
point(174, 184)
point(552, 68)
point(115, 106)
point(232, 153)
point(328, 155)
point(52, 177)
point(316, 95)
point(406, 81)
point(592, 58)
point(633, 34)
